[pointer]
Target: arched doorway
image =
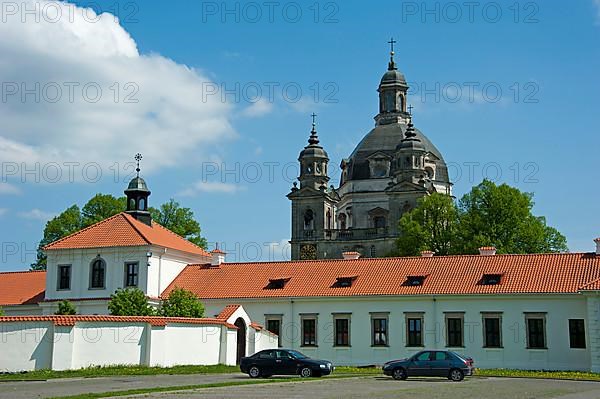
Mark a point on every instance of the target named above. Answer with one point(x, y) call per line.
point(241, 339)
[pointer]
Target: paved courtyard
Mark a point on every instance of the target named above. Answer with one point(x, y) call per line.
point(372, 387)
point(380, 387)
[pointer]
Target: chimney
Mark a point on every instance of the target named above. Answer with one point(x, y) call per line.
point(218, 257)
point(597, 241)
point(487, 251)
point(427, 254)
point(351, 255)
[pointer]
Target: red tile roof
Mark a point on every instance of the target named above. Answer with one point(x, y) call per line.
point(447, 275)
point(22, 288)
point(152, 320)
point(122, 230)
point(591, 286)
point(228, 311)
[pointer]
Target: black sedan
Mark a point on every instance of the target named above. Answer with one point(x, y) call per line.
point(431, 364)
point(283, 361)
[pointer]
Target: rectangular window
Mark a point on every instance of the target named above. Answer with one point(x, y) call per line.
point(379, 328)
point(342, 331)
point(577, 333)
point(273, 324)
point(454, 331)
point(64, 277)
point(414, 327)
point(131, 274)
point(491, 331)
point(309, 331)
point(536, 331)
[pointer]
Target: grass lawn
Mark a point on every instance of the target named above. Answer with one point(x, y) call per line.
point(108, 371)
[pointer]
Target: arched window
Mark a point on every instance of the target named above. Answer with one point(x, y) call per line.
point(309, 220)
point(142, 204)
point(401, 102)
point(342, 221)
point(132, 204)
point(97, 273)
point(328, 219)
point(390, 101)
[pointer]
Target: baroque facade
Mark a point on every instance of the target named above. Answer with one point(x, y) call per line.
point(391, 168)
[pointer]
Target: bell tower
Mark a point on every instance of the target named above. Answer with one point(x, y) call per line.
point(137, 197)
point(392, 94)
point(313, 162)
point(313, 203)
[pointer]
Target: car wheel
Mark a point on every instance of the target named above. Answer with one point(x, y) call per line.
point(254, 372)
point(306, 372)
point(456, 375)
point(399, 374)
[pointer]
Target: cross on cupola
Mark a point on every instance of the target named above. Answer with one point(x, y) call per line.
point(392, 64)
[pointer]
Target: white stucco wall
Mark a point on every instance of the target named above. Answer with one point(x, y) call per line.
point(109, 344)
point(558, 309)
point(81, 260)
point(25, 346)
point(32, 345)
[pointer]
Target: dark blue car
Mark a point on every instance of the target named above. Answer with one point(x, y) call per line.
point(284, 361)
point(431, 364)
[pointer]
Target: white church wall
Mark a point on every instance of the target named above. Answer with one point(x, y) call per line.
point(514, 354)
point(81, 260)
point(165, 265)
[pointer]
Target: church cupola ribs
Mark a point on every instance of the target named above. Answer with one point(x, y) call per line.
point(137, 194)
point(392, 94)
point(313, 162)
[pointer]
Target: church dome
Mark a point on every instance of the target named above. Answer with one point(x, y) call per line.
point(137, 184)
point(393, 76)
point(386, 139)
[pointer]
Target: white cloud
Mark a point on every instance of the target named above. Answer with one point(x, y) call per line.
point(8, 189)
point(211, 187)
point(148, 103)
point(37, 214)
point(3, 211)
point(259, 108)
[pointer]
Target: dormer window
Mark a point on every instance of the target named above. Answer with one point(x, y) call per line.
point(344, 282)
point(277, 283)
point(414, 281)
point(491, 279)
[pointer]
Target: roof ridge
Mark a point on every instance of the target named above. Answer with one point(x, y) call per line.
point(400, 257)
point(127, 216)
point(181, 237)
point(82, 230)
point(23, 271)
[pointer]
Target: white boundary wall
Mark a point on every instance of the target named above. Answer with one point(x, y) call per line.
point(34, 344)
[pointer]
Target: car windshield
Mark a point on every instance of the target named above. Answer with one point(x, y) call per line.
point(297, 355)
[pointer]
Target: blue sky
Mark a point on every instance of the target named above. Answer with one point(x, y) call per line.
point(539, 134)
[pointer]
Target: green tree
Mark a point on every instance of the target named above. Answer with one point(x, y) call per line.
point(1, 312)
point(66, 308)
point(180, 221)
point(182, 303)
point(129, 302)
point(501, 216)
point(61, 226)
point(100, 207)
point(431, 226)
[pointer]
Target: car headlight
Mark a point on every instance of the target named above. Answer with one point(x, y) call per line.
point(323, 366)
